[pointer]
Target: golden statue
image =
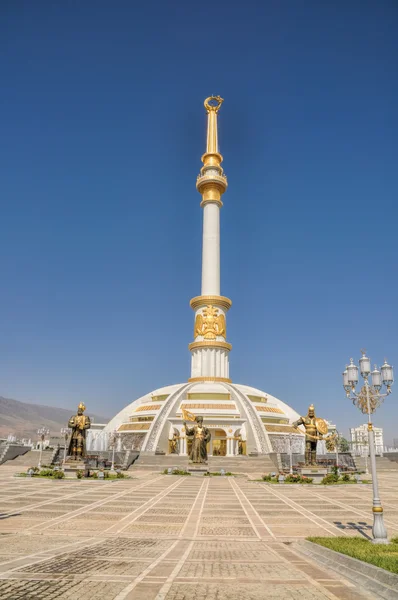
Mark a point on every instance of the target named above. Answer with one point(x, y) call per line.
point(174, 444)
point(210, 324)
point(315, 429)
point(200, 437)
point(79, 424)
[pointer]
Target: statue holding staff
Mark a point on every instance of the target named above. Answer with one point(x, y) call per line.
point(79, 424)
point(200, 437)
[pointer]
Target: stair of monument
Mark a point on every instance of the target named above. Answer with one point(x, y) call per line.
point(234, 464)
point(242, 464)
point(31, 458)
point(383, 463)
point(159, 462)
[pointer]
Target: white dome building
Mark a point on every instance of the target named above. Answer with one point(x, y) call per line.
point(242, 419)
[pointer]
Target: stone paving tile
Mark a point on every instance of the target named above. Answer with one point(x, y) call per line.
point(169, 511)
point(130, 548)
point(93, 515)
point(246, 591)
point(149, 518)
point(227, 531)
point(27, 544)
point(14, 589)
point(80, 565)
point(301, 531)
point(223, 554)
point(151, 529)
point(77, 525)
point(243, 570)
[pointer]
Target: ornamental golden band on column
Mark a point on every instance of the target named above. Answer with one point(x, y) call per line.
point(210, 324)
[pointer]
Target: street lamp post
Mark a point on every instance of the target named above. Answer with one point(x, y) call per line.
point(42, 432)
point(367, 400)
point(291, 453)
point(65, 433)
point(337, 451)
point(113, 441)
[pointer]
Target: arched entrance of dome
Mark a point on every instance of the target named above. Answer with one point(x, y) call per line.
point(218, 443)
point(174, 441)
point(239, 442)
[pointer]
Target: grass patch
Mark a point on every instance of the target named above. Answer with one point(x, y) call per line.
point(380, 555)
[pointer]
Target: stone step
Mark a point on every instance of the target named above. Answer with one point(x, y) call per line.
point(31, 458)
point(235, 464)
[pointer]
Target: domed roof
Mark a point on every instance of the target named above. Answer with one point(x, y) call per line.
point(238, 409)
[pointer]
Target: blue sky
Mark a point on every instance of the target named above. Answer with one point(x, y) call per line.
point(103, 127)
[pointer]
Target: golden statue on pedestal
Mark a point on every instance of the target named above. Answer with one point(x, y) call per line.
point(200, 437)
point(79, 424)
point(315, 429)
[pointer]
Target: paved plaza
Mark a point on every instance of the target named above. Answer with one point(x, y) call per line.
point(176, 538)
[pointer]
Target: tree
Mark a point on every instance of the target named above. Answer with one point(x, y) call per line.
point(344, 446)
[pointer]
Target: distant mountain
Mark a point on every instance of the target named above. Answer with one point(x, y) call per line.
point(23, 419)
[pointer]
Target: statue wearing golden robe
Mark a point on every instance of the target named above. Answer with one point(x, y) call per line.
point(315, 428)
point(200, 437)
point(79, 424)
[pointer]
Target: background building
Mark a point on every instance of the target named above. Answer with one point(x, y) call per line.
point(359, 440)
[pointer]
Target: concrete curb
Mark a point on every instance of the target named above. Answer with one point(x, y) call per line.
point(371, 578)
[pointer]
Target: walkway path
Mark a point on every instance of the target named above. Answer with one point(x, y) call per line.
point(175, 538)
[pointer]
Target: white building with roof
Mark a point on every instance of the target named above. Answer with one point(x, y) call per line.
point(242, 419)
point(359, 440)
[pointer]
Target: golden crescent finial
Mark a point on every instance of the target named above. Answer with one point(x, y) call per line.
point(211, 107)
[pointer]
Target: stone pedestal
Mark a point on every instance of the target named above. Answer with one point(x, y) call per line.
point(70, 467)
point(316, 473)
point(199, 469)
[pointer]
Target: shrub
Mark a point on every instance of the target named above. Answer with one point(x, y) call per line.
point(58, 475)
point(298, 479)
point(79, 473)
point(330, 479)
point(346, 477)
point(121, 475)
point(266, 477)
point(46, 473)
point(293, 478)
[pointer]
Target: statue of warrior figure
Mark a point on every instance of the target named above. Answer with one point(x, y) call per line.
point(200, 436)
point(314, 430)
point(78, 423)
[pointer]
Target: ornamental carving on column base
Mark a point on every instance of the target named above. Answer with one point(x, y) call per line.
point(210, 323)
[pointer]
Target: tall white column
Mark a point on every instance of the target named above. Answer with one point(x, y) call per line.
point(210, 348)
point(211, 250)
